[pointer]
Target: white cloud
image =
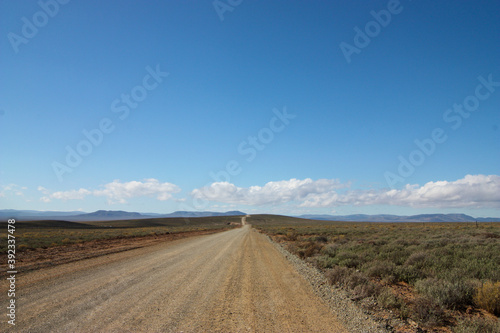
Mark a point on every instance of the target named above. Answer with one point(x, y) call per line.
point(271, 193)
point(63, 195)
point(45, 199)
point(43, 190)
point(471, 191)
point(71, 195)
point(116, 191)
point(119, 192)
point(12, 189)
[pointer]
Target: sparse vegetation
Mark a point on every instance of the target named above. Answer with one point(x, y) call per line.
point(387, 299)
point(477, 325)
point(454, 295)
point(428, 312)
point(45, 234)
point(487, 297)
point(446, 268)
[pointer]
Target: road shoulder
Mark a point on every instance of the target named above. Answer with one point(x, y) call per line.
point(347, 312)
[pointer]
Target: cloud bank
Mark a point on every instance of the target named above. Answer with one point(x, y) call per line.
point(271, 193)
point(117, 192)
point(472, 191)
point(475, 191)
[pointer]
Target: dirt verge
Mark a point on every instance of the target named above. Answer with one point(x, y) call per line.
point(30, 260)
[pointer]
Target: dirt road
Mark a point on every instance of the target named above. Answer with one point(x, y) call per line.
point(234, 281)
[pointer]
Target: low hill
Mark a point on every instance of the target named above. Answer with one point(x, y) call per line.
point(108, 215)
point(57, 224)
point(127, 223)
point(167, 221)
point(203, 214)
point(102, 215)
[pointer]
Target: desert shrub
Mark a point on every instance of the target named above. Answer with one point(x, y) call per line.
point(417, 259)
point(291, 235)
point(450, 294)
point(394, 253)
point(66, 241)
point(309, 249)
point(341, 240)
point(349, 278)
point(409, 274)
point(367, 289)
point(488, 297)
point(489, 235)
point(325, 261)
point(379, 268)
point(389, 279)
point(321, 239)
point(428, 312)
point(403, 311)
point(337, 274)
point(348, 259)
point(387, 299)
point(330, 250)
point(402, 242)
point(477, 325)
point(355, 279)
point(22, 247)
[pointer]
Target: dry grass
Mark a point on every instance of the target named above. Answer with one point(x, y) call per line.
point(477, 325)
point(488, 297)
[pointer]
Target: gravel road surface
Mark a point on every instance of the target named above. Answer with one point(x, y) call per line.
point(234, 281)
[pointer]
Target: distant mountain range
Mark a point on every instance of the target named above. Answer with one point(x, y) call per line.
point(402, 218)
point(101, 215)
point(203, 214)
point(106, 215)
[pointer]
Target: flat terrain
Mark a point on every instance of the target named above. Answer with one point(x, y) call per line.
point(233, 281)
point(34, 259)
point(35, 235)
point(433, 276)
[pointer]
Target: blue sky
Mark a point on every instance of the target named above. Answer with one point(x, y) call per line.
point(285, 107)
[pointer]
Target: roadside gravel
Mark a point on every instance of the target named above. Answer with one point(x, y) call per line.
point(347, 312)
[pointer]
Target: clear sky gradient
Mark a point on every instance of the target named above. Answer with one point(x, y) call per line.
point(291, 107)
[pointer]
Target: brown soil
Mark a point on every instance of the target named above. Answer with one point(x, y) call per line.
point(39, 258)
